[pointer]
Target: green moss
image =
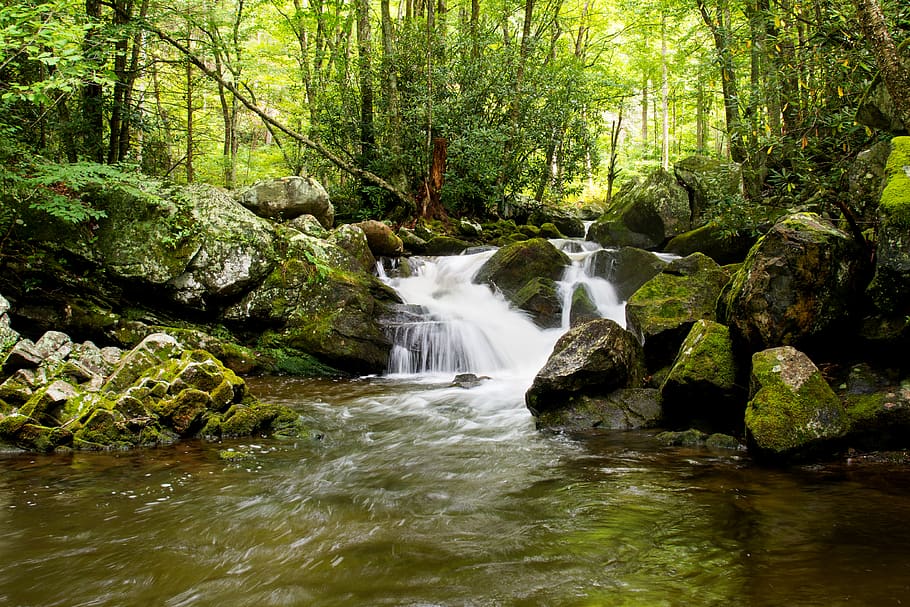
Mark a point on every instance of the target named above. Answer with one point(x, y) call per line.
point(706, 355)
point(895, 201)
point(104, 430)
point(265, 418)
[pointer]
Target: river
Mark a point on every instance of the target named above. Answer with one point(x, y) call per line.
point(424, 494)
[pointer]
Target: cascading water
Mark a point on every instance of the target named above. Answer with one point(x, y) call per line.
point(451, 325)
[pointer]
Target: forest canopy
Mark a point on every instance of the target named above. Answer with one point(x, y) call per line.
point(459, 108)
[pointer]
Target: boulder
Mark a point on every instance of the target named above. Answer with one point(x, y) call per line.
point(792, 411)
point(878, 407)
point(199, 247)
point(382, 240)
point(626, 268)
point(351, 251)
point(592, 359)
point(289, 197)
point(662, 312)
point(708, 181)
point(309, 308)
point(876, 109)
point(797, 285)
point(645, 216)
point(890, 286)
point(723, 244)
point(582, 307)
point(623, 409)
point(445, 245)
point(469, 229)
point(564, 225)
point(413, 243)
point(701, 388)
point(540, 298)
point(308, 225)
point(514, 265)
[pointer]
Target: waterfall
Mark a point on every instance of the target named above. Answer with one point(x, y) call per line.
point(450, 325)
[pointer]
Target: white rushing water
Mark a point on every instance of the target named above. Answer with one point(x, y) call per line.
point(454, 326)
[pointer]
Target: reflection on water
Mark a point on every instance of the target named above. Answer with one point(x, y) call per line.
point(420, 495)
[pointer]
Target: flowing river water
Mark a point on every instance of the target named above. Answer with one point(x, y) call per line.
point(421, 493)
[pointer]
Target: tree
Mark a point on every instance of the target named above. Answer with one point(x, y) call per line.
point(894, 75)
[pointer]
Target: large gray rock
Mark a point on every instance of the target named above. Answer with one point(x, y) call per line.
point(592, 359)
point(289, 197)
point(866, 179)
point(797, 285)
point(626, 268)
point(645, 216)
point(792, 411)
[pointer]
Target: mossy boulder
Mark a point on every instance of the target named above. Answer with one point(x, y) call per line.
point(413, 243)
point(792, 411)
point(581, 306)
point(540, 298)
point(592, 359)
point(289, 197)
point(797, 286)
point(702, 386)
point(662, 312)
point(724, 244)
point(878, 407)
point(623, 409)
point(890, 286)
point(626, 268)
point(646, 215)
point(866, 179)
point(516, 264)
point(382, 240)
point(445, 245)
point(709, 181)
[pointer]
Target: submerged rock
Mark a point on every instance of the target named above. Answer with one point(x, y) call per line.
point(792, 411)
point(540, 298)
point(623, 409)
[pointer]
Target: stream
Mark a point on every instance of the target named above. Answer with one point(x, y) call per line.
point(421, 493)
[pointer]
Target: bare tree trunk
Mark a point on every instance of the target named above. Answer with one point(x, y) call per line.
point(644, 112)
point(612, 171)
point(664, 96)
point(894, 75)
point(190, 172)
point(92, 131)
point(365, 61)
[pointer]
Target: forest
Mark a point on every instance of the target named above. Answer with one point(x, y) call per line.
point(439, 108)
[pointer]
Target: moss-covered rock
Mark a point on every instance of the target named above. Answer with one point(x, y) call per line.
point(701, 388)
point(514, 265)
point(592, 359)
point(724, 244)
point(289, 197)
point(878, 408)
point(582, 307)
point(708, 181)
point(890, 287)
point(446, 245)
point(382, 240)
point(664, 309)
point(540, 298)
point(646, 215)
point(797, 286)
point(792, 411)
point(249, 420)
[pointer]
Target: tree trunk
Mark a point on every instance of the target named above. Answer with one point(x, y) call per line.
point(390, 88)
point(365, 65)
point(190, 133)
point(644, 112)
point(431, 205)
point(664, 96)
point(92, 101)
point(894, 75)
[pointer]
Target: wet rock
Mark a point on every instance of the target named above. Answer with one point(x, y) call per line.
point(645, 216)
point(792, 411)
point(663, 310)
point(549, 230)
point(289, 197)
point(413, 243)
point(469, 229)
point(468, 380)
point(623, 409)
point(626, 268)
point(701, 388)
point(582, 307)
point(382, 240)
point(878, 407)
point(514, 265)
point(540, 298)
point(890, 286)
point(592, 359)
point(696, 438)
point(797, 285)
point(445, 245)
